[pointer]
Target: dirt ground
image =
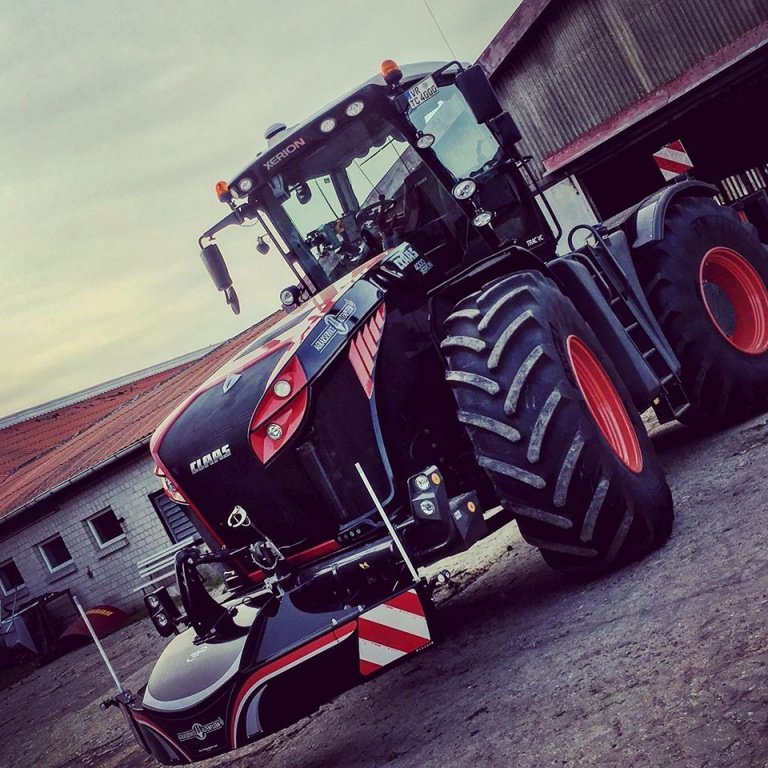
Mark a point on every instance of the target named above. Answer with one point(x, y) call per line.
point(661, 664)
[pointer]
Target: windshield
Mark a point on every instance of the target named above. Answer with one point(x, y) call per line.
point(360, 191)
point(462, 145)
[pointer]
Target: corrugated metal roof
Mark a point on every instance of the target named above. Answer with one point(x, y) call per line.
point(48, 452)
point(511, 33)
point(591, 59)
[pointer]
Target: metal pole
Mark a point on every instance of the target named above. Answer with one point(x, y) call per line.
point(388, 523)
point(96, 640)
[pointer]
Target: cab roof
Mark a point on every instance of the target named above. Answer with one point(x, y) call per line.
point(412, 73)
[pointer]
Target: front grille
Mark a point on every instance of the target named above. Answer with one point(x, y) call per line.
point(344, 432)
point(308, 491)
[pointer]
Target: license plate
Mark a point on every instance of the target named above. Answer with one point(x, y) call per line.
point(421, 92)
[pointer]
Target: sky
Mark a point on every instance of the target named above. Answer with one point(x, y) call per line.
point(116, 121)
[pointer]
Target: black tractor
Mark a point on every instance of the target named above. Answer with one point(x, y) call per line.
point(440, 372)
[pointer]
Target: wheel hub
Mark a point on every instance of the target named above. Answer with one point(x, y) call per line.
point(736, 299)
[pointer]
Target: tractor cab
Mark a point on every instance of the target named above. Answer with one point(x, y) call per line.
point(423, 156)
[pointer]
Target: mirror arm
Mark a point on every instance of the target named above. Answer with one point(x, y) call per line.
point(238, 216)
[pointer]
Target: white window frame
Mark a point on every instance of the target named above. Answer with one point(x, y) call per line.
point(23, 585)
point(60, 567)
point(94, 533)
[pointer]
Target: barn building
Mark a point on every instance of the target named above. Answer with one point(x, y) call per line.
point(598, 86)
point(79, 502)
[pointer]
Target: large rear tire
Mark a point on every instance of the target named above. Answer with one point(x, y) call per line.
point(706, 283)
point(553, 427)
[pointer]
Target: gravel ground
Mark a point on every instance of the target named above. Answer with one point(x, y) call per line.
point(661, 664)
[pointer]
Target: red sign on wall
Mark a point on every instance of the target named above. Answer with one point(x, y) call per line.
point(673, 160)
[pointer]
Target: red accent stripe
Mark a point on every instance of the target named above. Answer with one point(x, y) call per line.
point(358, 364)
point(328, 639)
point(144, 721)
point(345, 630)
point(363, 350)
point(270, 403)
point(370, 342)
point(364, 353)
point(408, 601)
point(390, 636)
point(672, 165)
point(289, 419)
point(375, 330)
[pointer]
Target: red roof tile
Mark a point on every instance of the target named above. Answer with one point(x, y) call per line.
point(46, 452)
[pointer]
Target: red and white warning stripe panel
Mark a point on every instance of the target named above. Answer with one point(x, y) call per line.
point(392, 630)
point(673, 160)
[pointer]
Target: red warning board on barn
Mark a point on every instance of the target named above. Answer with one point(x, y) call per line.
point(673, 160)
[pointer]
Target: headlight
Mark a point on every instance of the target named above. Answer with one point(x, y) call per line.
point(354, 108)
point(282, 388)
point(464, 189)
point(328, 125)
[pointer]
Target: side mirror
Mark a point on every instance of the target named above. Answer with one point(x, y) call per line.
point(216, 266)
point(505, 129)
point(231, 296)
point(478, 94)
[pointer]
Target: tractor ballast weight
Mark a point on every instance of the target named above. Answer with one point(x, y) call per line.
point(439, 372)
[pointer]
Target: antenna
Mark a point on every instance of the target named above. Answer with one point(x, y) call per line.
point(440, 30)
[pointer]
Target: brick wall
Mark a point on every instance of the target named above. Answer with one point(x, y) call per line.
point(97, 574)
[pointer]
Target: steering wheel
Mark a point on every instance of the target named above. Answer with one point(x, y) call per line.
point(370, 214)
point(317, 238)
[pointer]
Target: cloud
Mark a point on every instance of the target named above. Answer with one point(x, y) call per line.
point(118, 118)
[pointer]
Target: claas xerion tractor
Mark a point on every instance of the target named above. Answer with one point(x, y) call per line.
point(440, 372)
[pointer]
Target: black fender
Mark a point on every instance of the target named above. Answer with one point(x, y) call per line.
point(646, 223)
point(581, 289)
point(444, 296)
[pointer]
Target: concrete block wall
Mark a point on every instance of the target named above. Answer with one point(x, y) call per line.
point(98, 575)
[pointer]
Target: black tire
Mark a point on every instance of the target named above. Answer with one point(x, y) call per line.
point(717, 329)
point(509, 349)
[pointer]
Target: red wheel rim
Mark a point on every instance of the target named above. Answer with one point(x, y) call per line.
point(604, 404)
point(733, 276)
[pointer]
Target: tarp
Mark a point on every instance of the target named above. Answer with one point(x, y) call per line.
point(104, 619)
point(13, 631)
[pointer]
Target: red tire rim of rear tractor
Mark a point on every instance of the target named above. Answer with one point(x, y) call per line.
point(734, 276)
point(604, 404)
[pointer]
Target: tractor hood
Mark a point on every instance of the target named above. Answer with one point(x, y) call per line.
point(239, 449)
